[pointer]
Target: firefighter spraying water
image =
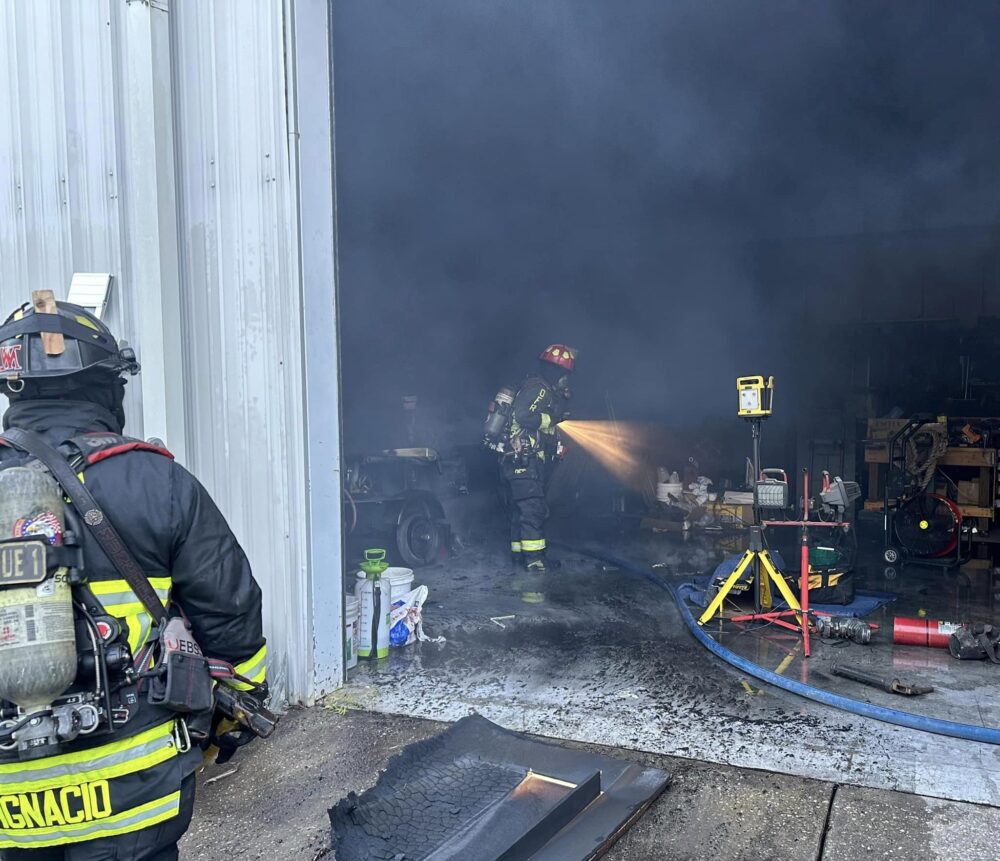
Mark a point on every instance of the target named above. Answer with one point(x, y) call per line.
point(521, 429)
point(526, 426)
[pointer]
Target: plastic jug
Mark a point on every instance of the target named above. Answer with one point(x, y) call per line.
point(373, 636)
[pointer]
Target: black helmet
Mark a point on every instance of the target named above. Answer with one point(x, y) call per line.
point(88, 346)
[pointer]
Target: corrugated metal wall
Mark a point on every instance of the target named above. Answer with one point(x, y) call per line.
point(241, 308)
point(63, 209)
point(60, 202)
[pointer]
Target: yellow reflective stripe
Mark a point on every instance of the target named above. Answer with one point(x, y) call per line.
point(252, 665)
point(119, 592)
point(254, 668)
point(132, 608)
point(515, 546)
point(162, 751)
point(532, 545)
point(546, 422)
point(68, 764)
point(137, 627)
point(120, 601)
point(103, 587)
point(135, 819)
point(257, 678)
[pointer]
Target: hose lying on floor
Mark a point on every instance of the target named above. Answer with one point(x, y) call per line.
point(969, 732)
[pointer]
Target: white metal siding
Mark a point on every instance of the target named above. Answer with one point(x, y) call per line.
point(59, 191)
point(241, 309)
point(64, 207)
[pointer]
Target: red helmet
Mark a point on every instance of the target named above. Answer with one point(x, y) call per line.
point(561, 355)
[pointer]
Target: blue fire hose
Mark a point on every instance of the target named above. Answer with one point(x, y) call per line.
point(969, 732)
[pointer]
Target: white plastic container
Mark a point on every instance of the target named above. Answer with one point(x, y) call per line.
point(400, 583)
point(352, 629)
point(373, 627)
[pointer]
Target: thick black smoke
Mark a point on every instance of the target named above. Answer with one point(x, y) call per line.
point(686, 191)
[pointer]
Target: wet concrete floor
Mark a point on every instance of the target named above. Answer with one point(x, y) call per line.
point(598, 655)
point(273, 808)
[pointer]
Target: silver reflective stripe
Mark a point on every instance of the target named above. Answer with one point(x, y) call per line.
point(136, 819)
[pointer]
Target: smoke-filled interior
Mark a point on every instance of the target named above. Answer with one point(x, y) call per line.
point(685, 192)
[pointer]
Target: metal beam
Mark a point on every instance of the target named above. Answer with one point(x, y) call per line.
point(311, 128)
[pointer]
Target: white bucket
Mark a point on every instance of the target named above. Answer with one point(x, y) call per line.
point(400, 582)
point(352, 629)
point(669, 491)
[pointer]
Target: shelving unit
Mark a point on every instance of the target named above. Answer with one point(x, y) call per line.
point(971, 469)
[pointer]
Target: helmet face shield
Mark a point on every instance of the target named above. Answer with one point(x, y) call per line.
point(40, 364)
point(87, 345)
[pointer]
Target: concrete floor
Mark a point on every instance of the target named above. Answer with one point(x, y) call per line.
point(597, 657)
point(602, 656)
point(274, 806)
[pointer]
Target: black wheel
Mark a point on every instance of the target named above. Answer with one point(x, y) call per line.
point(418, 539)
point(891, 555)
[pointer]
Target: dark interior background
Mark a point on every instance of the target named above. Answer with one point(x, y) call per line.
point(685, 191)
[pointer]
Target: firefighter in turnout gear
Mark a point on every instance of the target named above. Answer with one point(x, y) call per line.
point(124, 789)
point(541, 403)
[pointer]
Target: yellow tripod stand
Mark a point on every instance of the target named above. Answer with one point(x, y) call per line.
point(764, 574)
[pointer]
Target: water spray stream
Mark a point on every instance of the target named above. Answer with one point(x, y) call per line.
point(617, 446)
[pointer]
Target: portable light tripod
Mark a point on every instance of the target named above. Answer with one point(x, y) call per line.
point(756, 402)
point(756, 399)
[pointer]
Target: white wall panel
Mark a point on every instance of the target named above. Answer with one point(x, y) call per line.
point(241, 308)
point(59, 190)
point(70, 200)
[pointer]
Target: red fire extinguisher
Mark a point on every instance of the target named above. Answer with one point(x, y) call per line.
point(923, 632)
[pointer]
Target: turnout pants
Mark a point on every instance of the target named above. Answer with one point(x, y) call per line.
point(157, 843)
point(528, 510)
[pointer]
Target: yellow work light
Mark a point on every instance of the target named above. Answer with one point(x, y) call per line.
point(756, 396)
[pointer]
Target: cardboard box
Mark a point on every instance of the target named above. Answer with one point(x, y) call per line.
point(968, 492)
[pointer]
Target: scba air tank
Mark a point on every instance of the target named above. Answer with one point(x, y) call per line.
point(498, 418)
point(38, 658)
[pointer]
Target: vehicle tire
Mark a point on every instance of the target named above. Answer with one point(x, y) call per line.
point(889, 572)
point(891, 555)
point(418, 539)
